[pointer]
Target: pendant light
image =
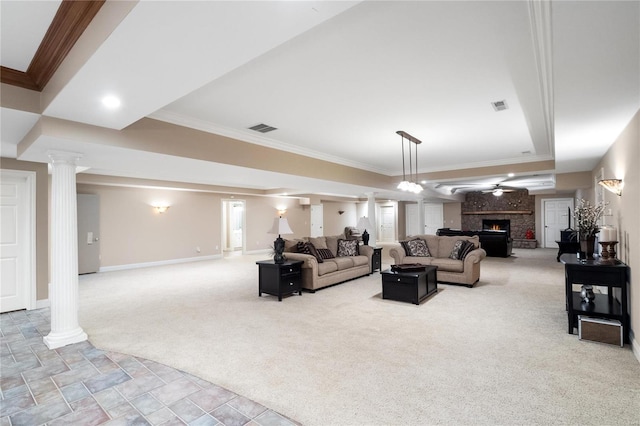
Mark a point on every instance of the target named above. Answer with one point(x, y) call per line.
point(409, 185)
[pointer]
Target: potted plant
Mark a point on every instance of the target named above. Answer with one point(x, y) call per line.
point(586, 217)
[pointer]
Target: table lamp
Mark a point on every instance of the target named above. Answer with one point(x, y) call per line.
point(280, 226)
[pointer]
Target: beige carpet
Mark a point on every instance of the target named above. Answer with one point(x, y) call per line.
point(498, 353)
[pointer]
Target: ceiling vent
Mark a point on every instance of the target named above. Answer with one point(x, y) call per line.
point(263, 128)
point(500, 105)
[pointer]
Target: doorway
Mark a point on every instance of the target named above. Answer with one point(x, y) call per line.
point(433, 218)
point(387, 224)
point(17, 240)
point(233, 225)
point(557, 214)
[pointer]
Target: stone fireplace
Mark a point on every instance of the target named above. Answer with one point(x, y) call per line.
point(513, 210)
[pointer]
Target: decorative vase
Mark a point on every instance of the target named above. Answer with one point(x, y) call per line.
point(587, 294)
point(587, 246)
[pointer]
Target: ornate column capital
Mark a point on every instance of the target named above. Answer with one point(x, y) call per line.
point(64, 157)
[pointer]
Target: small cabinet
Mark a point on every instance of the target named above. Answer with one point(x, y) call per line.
point(376, 259)
point(279, 279)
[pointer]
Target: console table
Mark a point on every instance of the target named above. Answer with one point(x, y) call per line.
point(594, 272)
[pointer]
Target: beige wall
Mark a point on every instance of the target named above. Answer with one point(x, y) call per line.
point(132, 232)
point(334, 222)
point(452, 213)
point(42, 220)
point(621, 162)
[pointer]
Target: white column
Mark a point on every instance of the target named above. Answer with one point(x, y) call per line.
point(371, 215)
point(63, 290)
point(421, 222)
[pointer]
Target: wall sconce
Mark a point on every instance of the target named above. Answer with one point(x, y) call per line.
point(612, 185)
point(161, 208)
point(282, 210)
point(340, 212)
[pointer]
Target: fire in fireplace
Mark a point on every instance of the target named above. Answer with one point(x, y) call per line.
point(497, 225)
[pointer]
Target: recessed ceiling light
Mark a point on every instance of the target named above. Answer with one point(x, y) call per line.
point(111, 102)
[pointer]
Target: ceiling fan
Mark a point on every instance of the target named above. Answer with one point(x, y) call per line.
point(498, 190)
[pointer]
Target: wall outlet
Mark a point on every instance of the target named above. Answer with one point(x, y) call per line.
point(198, 249)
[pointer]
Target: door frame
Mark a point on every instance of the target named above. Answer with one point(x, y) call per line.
point(29, 251)
point(225, 227)
point(544, 216)
point(394, 209)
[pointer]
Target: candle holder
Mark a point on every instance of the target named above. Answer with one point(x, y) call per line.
point(608, 252)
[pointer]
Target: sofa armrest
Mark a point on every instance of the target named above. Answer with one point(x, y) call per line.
point(475, 256)
point(397, 253)
point(309, 261)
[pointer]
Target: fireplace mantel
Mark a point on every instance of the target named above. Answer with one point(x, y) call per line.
point(501, 212)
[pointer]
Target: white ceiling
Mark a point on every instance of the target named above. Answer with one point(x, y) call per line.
point(339, 78)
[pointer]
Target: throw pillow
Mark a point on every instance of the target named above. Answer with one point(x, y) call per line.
point(405, 246)
point(308, 248)
point(347, 248)
point(466, 249)
point(457, 248)
point(418, 248)
point(325, 253)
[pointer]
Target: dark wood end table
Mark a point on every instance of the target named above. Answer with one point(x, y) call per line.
point(279, 279)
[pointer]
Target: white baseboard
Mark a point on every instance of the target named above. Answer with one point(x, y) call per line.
point(635, 346)
point(158, 263)
point(44, 303)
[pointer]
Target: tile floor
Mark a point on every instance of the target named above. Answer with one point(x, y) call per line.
point(82, 385)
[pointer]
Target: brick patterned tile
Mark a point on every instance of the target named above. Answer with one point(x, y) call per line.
point(77, 374)
point(211, 398)
point(8, 381)
point(40, 386)
point(17, 391)
point(40, 414)
point(50, 397)
point(147, 404)
point(84, 403)
point(109, 398)
point(271, 418)
point(139, 385)
point(247, 407)
point(128, 420)
point(186, 410)
point(133, 367)
point(229, 416)
point(104, 381)
point(161, 416)
point(205, 420)
point(121, 410)
point(178, 389)
point(74, 392)
point(45, 371)
point(87, 417)
point(10, 406)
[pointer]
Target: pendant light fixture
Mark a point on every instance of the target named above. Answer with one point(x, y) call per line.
point(409, 185)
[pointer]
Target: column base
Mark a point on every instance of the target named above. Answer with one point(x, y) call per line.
point(59, 339)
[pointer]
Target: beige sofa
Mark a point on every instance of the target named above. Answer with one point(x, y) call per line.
point(316, 275)
point(465, 271)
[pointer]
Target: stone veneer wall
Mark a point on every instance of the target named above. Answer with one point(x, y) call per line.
point(517, 201)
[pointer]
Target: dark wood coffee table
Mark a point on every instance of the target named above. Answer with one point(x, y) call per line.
point(412, 287)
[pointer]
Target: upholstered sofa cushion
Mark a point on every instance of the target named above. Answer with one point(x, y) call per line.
point(327, 267)
point(446, 264)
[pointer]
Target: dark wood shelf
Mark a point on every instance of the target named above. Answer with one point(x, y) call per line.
point(501, 212)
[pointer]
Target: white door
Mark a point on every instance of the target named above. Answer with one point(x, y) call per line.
point(557, 217)
point(88, 233)
point(17, 228)
point(387, 224)
point(317, 213)
point(233, 221)
point(412, 217)
point(433, 217)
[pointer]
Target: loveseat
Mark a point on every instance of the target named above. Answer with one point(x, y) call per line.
point(465, 270)
point(322, 271)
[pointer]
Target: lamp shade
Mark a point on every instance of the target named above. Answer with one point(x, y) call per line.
point(363, 223)
point(280, 227)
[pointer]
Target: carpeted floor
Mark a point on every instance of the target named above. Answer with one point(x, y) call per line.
point(497, 353)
